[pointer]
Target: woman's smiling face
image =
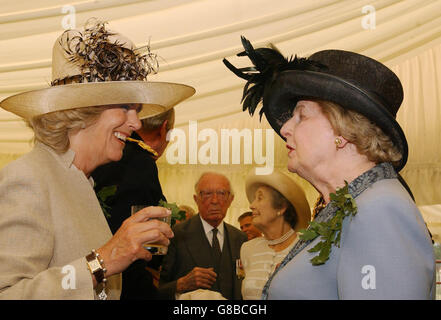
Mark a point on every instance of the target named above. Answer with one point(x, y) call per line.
point(106, 137)
point(262, 207)
point(309, 138)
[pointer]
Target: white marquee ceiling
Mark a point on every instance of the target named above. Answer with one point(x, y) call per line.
point(192, 37)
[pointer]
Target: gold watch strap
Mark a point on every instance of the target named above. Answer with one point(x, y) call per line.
point(97, 272)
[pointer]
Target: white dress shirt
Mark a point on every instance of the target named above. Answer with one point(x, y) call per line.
point(208, 229)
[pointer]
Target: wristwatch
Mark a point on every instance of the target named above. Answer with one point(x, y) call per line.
point(95, 265)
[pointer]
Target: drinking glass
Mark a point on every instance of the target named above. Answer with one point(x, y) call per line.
point(155, 249)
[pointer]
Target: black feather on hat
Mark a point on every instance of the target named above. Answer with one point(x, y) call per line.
point(268, 63)
point(351, 80)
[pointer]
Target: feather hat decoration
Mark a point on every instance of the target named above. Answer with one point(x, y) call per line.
point(96, 67)
point(103, 59)
point(351, 80)
point(268, 63)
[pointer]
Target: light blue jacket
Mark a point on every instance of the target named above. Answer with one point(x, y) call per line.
point(385, 253)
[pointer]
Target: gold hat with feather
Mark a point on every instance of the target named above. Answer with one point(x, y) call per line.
point(99, 67)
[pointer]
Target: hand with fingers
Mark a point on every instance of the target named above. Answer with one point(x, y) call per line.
point(125, 246)
point(197, 278)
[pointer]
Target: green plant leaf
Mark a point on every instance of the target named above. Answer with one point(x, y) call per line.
point(317, 247)
point(325, 251)
point(330, 231)
point(317, 260)
point(103, 195)
point(106, 192)
point(309, 235)
point(176, 213)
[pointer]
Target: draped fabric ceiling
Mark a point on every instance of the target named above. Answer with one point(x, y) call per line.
point(192, 37)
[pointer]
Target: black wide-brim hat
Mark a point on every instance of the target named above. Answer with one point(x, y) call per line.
point(351, 80)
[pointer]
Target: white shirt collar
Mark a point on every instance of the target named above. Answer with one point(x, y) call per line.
point(208, 227)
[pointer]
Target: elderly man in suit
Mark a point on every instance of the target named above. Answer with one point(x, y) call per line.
point(203, 252)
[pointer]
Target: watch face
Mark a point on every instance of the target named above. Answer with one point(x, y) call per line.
point(94, 265)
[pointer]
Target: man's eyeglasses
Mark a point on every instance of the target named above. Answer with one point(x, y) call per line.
point(221, 195)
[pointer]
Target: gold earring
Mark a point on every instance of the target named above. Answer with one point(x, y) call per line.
point(279, 213)
point(337, 142)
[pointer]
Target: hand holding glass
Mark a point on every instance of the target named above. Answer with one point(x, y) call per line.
point(155, 249)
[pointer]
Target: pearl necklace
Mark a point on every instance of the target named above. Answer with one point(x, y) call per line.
point(281, 239)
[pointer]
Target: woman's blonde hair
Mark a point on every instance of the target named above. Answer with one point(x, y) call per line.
point(368, 138)
point(53, 128)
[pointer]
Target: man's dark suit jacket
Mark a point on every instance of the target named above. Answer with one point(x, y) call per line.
point(136, 178)
point(190, 248)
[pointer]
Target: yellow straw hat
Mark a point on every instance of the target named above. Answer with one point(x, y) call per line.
point(98, 67)
point(287, 187)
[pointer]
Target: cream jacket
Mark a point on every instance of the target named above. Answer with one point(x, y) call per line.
point(50, 219)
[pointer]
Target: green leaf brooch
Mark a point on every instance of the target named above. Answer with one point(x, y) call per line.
point(330, 231)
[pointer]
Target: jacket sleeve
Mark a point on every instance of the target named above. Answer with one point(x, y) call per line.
point(386, 253)
point(167, 281)
point(27, 244)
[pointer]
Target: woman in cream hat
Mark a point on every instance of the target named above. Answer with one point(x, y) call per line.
point(56, 243)
point(336, 110)
point(279, 209)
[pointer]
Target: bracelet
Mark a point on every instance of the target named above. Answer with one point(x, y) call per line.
point(97, 269)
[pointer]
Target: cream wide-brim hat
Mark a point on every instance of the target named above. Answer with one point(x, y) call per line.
point(156, 97)
point(287, 187)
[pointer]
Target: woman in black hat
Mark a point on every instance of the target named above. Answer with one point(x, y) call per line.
point(336, 110)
